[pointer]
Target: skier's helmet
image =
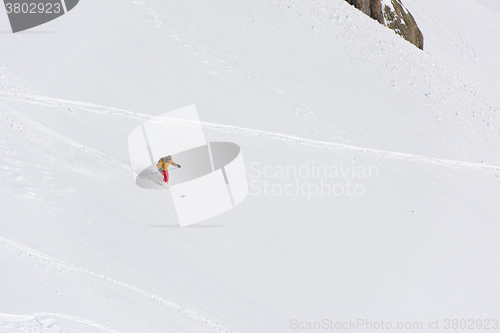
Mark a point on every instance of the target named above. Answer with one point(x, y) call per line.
point(169, 157)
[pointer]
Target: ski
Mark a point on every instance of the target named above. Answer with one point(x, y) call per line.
point(174, 191)
point(165, 186)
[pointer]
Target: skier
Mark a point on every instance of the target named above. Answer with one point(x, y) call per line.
point(163, 165)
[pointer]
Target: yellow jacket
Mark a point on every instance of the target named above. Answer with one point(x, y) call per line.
point(163, 164)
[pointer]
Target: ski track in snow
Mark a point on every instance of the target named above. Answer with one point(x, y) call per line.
point(47, 322)
point(54, 102)
point(189, 314)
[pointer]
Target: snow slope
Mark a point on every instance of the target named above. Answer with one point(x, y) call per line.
point(462, 35)
point(293, 83)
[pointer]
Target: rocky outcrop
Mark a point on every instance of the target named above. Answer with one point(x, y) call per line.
point(394, 15)
point(362, 5)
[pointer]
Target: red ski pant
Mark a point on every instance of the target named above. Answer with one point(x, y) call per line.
point(165, 176)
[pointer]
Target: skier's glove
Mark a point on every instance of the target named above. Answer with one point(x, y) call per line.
point(178, 165)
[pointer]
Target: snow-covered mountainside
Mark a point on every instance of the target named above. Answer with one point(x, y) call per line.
point(403, 227)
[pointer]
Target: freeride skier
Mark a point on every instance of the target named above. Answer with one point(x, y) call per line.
point(163, 165)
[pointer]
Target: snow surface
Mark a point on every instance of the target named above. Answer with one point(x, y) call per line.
point(292, 82)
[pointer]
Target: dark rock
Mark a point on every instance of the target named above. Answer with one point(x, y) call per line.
point(402, 22)
point(376, 11)
point(362, 5)
point(395, 17)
